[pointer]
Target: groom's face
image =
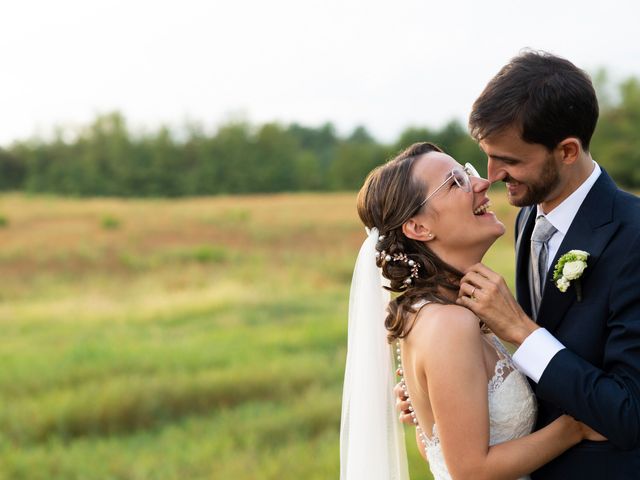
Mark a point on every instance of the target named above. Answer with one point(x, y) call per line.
point(529, 170)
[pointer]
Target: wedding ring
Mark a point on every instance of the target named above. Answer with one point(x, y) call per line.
point(472, 293)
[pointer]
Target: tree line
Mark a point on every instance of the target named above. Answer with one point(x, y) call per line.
point(106, 159)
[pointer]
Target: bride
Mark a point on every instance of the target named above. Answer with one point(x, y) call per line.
point(428, 221)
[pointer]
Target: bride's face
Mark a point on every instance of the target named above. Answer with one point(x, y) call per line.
point(456, 218)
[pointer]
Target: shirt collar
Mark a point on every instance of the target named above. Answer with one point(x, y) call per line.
point(562, 216)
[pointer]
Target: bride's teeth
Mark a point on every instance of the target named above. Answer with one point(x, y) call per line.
point(482, 209)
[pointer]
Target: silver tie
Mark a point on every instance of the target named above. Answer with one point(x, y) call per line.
point(542, 232)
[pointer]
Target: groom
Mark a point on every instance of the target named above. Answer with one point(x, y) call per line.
point(579, 347)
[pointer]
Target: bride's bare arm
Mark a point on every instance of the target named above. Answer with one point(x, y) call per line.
point(457, 383)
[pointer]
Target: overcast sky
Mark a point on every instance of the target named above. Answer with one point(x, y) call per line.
point(383, 64)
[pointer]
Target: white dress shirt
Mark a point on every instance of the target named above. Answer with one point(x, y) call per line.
point(539, 348)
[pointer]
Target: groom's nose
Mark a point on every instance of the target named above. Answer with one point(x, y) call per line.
point(495, 172)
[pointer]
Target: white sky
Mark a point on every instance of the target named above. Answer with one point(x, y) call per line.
point(383, 64)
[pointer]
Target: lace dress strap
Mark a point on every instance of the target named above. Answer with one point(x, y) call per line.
point(504, 366)
point(497, 345)
point(420, 303)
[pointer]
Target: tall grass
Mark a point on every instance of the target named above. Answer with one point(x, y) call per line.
point(199, 338)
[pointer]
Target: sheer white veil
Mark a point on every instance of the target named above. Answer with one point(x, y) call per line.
point(371, 437)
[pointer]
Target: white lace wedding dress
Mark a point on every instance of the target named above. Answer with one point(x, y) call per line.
point(512, 410)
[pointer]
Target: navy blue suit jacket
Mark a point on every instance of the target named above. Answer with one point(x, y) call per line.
point(596, 379)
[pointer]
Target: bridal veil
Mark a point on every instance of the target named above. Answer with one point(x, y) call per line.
point(371, 437)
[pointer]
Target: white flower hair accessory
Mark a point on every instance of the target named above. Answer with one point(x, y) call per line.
point(569, 268)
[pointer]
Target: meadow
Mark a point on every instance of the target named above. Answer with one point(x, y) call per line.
point(200, 338)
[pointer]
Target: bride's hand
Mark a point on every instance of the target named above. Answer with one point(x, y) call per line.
point(589, 433)
point(583, 431)
point(578, 430)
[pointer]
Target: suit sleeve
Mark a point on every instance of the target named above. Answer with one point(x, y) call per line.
point(608, 399)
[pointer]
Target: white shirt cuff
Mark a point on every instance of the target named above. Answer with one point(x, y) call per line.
point(536, 352)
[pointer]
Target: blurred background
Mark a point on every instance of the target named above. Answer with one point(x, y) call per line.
point(177, 210)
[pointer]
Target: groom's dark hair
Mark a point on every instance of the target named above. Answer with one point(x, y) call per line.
point(547, 97)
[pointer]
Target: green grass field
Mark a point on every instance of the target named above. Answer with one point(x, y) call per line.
point(182, 339)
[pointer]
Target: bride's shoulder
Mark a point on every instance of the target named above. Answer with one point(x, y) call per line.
point(446, 325)
point(447, 316)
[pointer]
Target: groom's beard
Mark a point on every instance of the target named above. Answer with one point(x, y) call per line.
point(539, 191)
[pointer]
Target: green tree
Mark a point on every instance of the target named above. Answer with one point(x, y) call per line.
point(616, 144)
point(275, 164)
point(13, 170)
point(355, 158)
point(234, 151)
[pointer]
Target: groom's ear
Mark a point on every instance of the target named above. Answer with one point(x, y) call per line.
point(417, 230)
point(570, 149)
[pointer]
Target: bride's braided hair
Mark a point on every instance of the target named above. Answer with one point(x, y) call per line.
point(389, 197)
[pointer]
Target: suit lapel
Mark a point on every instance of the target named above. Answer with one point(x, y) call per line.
point(590, 231)
point(525, 226)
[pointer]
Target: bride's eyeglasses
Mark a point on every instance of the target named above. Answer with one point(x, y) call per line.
point(461, 177)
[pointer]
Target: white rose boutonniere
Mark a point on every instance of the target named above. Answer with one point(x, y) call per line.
point(569, 268)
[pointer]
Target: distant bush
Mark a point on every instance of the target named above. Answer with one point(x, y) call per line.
point(4, 221)
point(237, 215)
point(201, 254)
point(110, 223)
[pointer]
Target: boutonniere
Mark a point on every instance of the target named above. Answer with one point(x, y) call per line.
point(569, 268)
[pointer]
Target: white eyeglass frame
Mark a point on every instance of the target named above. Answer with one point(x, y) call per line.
point(469, 172)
